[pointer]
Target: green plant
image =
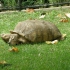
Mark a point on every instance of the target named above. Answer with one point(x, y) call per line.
point(9, 3)
point(59, 1)
point(28, 3)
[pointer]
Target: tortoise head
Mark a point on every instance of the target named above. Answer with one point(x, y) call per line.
point(5, 37)
point(13, 39)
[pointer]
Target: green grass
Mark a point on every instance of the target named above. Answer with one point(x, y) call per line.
point(38, 56)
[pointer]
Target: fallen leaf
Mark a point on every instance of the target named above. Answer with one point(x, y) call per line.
point(52, 42)
point(3, 62)
point(48, 42)
point(64, 20)
point(67, 15)
point(42, 16)
point(63, 36)
point(13, 49)
point(28, 10)
point(59, 15)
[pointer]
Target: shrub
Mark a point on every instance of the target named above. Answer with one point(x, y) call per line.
point(9, 3)
point(23, 3)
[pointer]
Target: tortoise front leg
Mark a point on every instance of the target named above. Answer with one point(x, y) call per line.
point(23, 40)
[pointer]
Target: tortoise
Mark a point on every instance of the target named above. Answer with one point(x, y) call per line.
point(32, 31)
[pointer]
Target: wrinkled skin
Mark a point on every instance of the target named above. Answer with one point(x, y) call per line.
point(5, 37)
point(13, 39)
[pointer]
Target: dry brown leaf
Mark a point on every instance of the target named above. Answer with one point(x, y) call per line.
point(28, 10)
point(64, 20)
point(13, 49)
point(59, 15)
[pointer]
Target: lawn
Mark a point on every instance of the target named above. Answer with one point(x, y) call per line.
point(38, 56)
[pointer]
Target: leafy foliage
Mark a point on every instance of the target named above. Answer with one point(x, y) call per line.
point(9, 3)
point(14, 3)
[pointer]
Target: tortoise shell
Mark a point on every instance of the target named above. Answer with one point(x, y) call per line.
point(37, 30)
